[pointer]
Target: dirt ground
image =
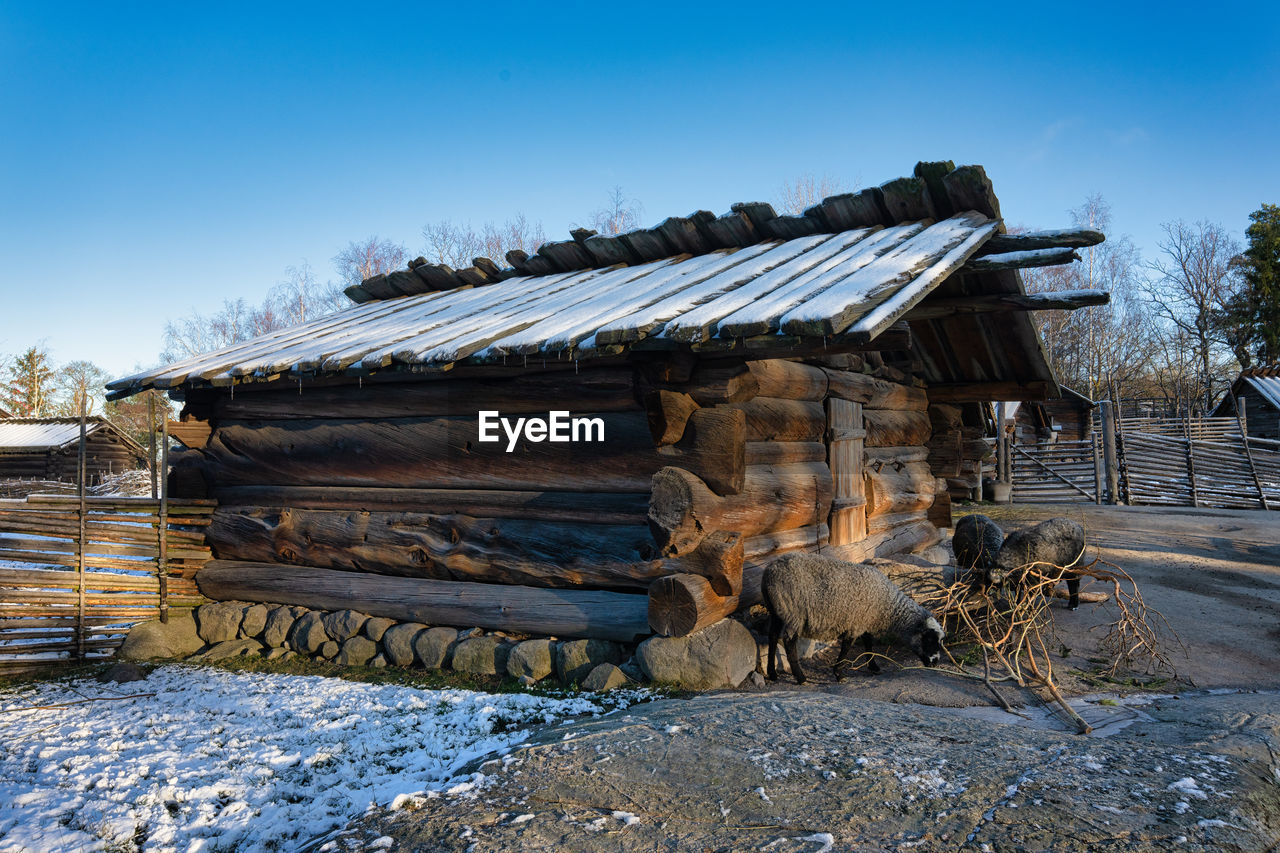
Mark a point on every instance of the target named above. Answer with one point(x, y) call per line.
point(1213, 574)
point(919, 760)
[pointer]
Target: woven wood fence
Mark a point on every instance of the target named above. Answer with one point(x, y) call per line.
point(76, 573)
point(1159, 470)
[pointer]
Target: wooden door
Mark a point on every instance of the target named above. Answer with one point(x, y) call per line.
point(845, 436)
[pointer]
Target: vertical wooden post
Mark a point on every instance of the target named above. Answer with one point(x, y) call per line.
point(1241, 417)
point(151, 441)
point(162, 555)
point(1097, 470)
point(1110, 459)
point(845, 437)
point(81, 466)
point(1248, 452)
point(1191, 461)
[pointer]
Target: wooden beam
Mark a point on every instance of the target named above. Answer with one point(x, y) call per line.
point(1067, 300)
point(498, 607)
point(983, 392)
point(1019, 260)
point(1065, 238)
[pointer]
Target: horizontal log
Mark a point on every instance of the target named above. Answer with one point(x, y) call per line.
point(444, 547)
point(890, 455)
point(895, 428)
point(878, 524)
point(608, 389)
point(875, 393)
point(782, 452)
point(895, 488)
point(1065, 238)
point(545, 612)
point(774, 419)
point(433, 453)
point(719, 384)
point(906, 538)
point(584, 507)
point(1019, 260)
point(1072, 300)
point(784, 541)
point(682, 604)
point(985, 392)
point(789, 380)
point(683, 510)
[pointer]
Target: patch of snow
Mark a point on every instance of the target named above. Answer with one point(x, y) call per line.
point(763, 795)
point(1188, 786)
point(385, 842)
point(626, 817)
point(519, 819)
point(673, 729)
point(826, 839)
point(225, 761)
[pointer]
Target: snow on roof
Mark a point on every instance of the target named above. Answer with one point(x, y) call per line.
point(1266, 381)
point(33, 434)
point(855, 282)
point(41, 433)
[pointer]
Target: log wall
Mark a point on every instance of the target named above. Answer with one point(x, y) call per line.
point(706, 475)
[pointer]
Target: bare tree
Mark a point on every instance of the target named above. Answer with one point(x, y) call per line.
point(79, 381)
point(620, 214)
point(458, 246)
point(1100, 350)
point(302, 297)
point(1191, 286)
point(798, 194)
point(28, 388)
point(363, 259)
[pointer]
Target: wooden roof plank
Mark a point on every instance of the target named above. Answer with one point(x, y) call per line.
point(763, 314)
point(774, 270)
point(909, 271)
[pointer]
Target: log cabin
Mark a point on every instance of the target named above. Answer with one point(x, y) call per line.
point(1258, 391)
point(763, 383)
point(49, 449)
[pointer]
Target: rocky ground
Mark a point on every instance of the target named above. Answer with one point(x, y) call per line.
point(920, 761)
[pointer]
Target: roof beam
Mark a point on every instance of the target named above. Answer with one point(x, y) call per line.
point(983, 392)
point(1064, 238)
point(1066, 300)
point(1019, 260)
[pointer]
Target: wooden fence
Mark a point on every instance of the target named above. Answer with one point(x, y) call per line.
point(1198, 429)
point(1062, 472)
point(76, 572)
point(1225, 472)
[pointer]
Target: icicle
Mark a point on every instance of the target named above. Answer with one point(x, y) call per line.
point(360, 382)
point(526, 361)
point(233, 389)
point(299, 384)
point(575, 367)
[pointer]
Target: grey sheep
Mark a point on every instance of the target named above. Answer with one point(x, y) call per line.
point(1058, 542)
point(821, 598)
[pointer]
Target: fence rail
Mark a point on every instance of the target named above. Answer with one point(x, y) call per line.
point(1167, 471)
point(73, 581)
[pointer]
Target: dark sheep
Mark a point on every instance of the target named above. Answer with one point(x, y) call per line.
point(977, 542)
point(1058, 542)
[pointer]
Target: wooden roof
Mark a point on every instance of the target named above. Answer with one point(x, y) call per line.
point(843, 273)
point(1264, 380)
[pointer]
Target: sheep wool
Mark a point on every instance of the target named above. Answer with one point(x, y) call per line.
point(822, 598)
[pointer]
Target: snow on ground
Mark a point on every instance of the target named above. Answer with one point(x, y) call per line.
point(222, 761)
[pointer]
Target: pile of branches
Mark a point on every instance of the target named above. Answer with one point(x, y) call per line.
point(1011, 622)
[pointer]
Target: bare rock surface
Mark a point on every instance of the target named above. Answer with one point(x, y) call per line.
point(795, 771)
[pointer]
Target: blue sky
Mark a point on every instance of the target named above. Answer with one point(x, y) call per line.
point(156, 160)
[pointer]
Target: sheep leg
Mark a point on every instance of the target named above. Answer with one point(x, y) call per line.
point(838, 669)
point(775, 630)
point(793, 656)
point(872, 667)
point(1073, 590)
